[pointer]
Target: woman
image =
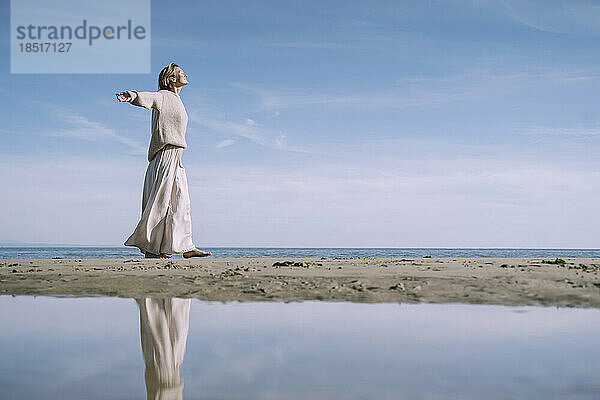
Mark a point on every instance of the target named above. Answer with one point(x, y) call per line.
point(165, 226)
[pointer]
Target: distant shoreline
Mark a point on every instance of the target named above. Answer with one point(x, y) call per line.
point(570, 282)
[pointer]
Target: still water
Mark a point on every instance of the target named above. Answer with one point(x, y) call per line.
point(110, 348)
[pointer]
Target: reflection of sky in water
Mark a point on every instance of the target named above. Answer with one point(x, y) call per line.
point(90, 348)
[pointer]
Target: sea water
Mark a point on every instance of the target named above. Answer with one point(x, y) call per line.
point(244, 252)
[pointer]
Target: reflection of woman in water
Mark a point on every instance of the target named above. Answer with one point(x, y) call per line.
point(165, 226)
point(164, 325)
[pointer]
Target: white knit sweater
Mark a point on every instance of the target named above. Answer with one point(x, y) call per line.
point(169, 118)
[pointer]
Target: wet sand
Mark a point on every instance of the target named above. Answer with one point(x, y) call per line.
point(509, 281)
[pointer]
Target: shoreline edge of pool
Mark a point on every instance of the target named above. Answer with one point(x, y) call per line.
point(569, 282)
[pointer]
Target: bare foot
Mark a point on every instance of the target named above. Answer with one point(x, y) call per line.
point(196, 253)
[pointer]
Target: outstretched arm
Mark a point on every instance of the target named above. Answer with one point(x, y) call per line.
point(142, 99)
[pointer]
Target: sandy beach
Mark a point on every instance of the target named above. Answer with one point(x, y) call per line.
point(570, 282)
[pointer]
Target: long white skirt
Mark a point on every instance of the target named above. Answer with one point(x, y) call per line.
point(166, 225)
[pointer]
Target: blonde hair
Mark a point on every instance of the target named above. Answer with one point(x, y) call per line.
point(164, 78)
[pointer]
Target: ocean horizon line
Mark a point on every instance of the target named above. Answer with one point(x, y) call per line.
point(54, 245)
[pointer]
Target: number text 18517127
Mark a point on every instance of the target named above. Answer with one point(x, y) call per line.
point(46, 47)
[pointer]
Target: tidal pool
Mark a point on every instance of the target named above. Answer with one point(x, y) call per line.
point(113, 348)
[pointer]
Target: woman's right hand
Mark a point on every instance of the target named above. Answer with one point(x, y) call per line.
point(123, 96)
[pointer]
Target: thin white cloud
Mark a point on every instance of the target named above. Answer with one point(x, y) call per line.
point(558, 131)
point(225, 143)
point(570, 17)
point(502, 78)
point(274, 99)
point(248, 129)
point(413, 91)
point(80, 127)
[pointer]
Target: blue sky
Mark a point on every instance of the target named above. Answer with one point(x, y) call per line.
point(384, 124)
